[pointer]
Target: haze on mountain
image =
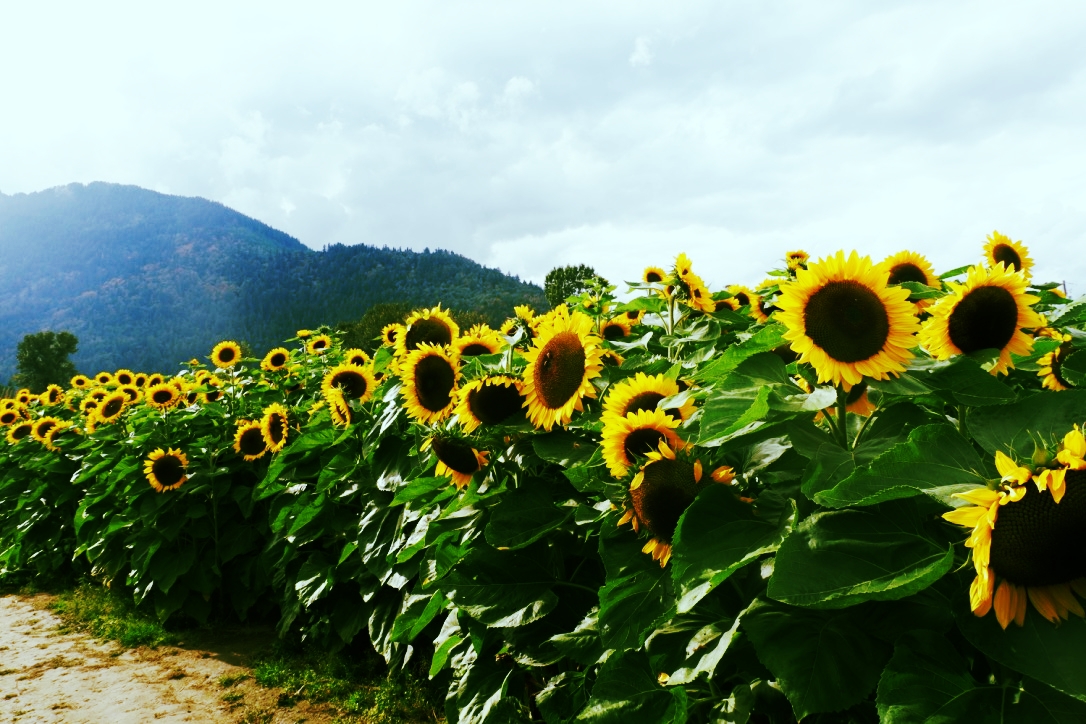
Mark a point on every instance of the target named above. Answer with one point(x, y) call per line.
point(147, 281)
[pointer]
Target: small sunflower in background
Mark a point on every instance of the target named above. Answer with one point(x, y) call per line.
point(796, 260)
point(141, 380)
point(53, 395)
point(10, 416)
point(356, 357)
point(615, 328)
point(132, 393)
point(1051, 366)
point(653, 275)
point(249, 440)
point(166, 470)
point(456, 459)
point(989, 311)
point(1011, 254)
point(19, 431)
point(1026, 536)
point(110, 408)
point(562, 361)
point(629, 438)
point(155, 379)
point(275, 360)
point(746, 297)
point(644, 392)
point(275, 426)
point(318, 344)
point(908, 266)
point(80, 382)
point(226, 354)
point(427, 326)
point(103, 378)
point(214, 391)
point(124, 377)
point(660, 493)
point(163, 396)
point(846, 322)
point(489, 401)
point(430, 374)
point(304, 333)
point(355, 382)
point(42, 426)
point(480, 339)
point(390, 333)
point(88, 405)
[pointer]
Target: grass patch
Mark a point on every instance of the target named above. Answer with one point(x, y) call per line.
point(107, 615)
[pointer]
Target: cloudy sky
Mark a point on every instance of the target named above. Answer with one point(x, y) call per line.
point(616, 134)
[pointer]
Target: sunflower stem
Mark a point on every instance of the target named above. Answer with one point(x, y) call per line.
point(842, 416)
point(962, 409)
point(863, 427)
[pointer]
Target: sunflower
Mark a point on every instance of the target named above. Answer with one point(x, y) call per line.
point(88, 406)
point(908, 266)
point(303, 333)
point(1051, 366)
point(426, 326)
point(480, 339)
point(42, 426)
point(698, 295)
point(249, 440)
point(489, 401)
point(683, 266)
point(98, 394)
point(275, 359)
point(644, 392)
point(141, 380)
point(634, 316)
point(390, 333)
point(226, 354)
point(318, 344)
point(155, 379)
point(52, 436)
point(166, 470)
point(844, 320)
point(338, 407)
point(429, 375)
point(988, 311)
point(80, 382)
point(355, 382)
point(163, 396)
point(104, 378)
point(653, 275)
point(660, 493)
point(18, 431)
point(525, 313)
point(1012, 254)
point(508, 327)
point(637, 434)
point(124, 377)
point(356, 357)
point(746, 297)
point(562, 361)
point(456, 459)
point(214, 391)
point(131, 393)
point(275, 426)
point(796, 260)
point(10, 416)
point(53, 395)
point(615, 328)
point(110, 409)
point(1027, 538)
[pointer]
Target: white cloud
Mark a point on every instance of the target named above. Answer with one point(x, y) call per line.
point(642, 52)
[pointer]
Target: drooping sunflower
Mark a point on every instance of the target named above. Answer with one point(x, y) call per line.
point(163, 396)
point(109, 409)
point(480, 339)
point(988, 311)
point(683, 266)
point(427, 326)
point(746, 297)
point(1051, 366)
point(653, 275)
point(275, 359)
point(430, 374)
point(562, 361)
point(42, 426)
point(660, 493)
point(318, 344)
point(845, 321)
point(626, 439)
point(1028, 538)
point(908, 266)
point(1012, 254)
point(615, 328)
point(166, 470)
point(249, 440)
point(226, 354)
point(304, 333)
point(53, 395)
point(796, 260)
point(275, 426)
point(80, 382)
point(644, 392)
point(104, 378)
point(390, 333)
point(456, 459)
point(489, 401)
point(19, 431)
point(338, 407)
point(124, 377)
point(356, 357)
point(355, 382)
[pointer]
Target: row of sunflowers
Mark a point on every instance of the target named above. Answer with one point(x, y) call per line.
point(853, 492)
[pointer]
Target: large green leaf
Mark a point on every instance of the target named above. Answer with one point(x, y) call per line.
point(500, 588)
point(935, 460)
point(627, 690)
point(630, 605)
point(1048, 414)
point(718, 534)
point(839, 558)
point(732, 412)
point(822, 661)
point(524, 515)
point(766, 339)
point(564, 448)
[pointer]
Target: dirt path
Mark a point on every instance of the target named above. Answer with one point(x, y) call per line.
point(46, 676)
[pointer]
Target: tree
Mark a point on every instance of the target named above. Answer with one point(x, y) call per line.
point(42, 360)
point(565, 281)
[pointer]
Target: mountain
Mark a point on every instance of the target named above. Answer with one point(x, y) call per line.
point(146, 280)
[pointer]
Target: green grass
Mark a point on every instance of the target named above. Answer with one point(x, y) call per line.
point(105, 615)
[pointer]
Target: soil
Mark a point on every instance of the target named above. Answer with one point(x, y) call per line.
point(49, 676)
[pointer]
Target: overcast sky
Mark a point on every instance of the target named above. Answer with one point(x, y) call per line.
point(529, 135)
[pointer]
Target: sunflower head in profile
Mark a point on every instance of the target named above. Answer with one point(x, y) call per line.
point(42, 426)
point(226, 354)
point(124, 377)
point(318, 344)
point(430, 374)
point(357, 357)
point(626, 440)
point(1051, 366)
point(275, 360)
point(275, 426)
point(166, 470)
point(56, 434)
point(1011, 254)
point(53, 395)
point(80, 382)
point(390, 333)
point(509, 327)
point(525, 313)
point(660, 493)
point(989, 311)
point(1026, 537)
point(653, 275)
point(489, 401)
point(456, 459)
point(427, 326)
point(615, 328)
point(844, 320)
point(338, 407)
point(355, 382)
point(644, 392)
point(562, 361)
point(104, 378)
point(19, 431)
point(747, 297)
point(163, 396)
point(796, 260)
point(249, 440)
point(480, 339)
point(213, 391)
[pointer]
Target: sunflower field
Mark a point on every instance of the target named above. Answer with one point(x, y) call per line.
point(854, 492)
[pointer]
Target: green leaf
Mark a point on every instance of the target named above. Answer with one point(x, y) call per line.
point(564, 448)
point(733, 412)
point(582, 644)
point(1048, 414)
point(968, 383)
point(562, 697)
point(835, 559)
point(718, 534)
point(418, 488)
point(936, 460)
point(766, 339)
point(822, 661)
point(524, 515)
point(500, 588)
point(626, 690)
point(1073, 368)
point(764, 366)
point(954, 272)
point(417, 612)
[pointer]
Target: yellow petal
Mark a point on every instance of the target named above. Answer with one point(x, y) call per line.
point(1043, 603)
point(967, 516)
point(650, 546)
point(1066, 600)
point(979, 496)
point(1004, 604)
point(980, 594)
point(697, 471)
point(1009, 470)
point(1075, 443)
point(638, 479)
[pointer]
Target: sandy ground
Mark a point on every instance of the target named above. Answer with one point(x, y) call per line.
point(46, 676)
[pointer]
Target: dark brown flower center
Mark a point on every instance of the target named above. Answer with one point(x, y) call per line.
point(641, 442)
point(277, 360)
point(44, 427)
point(559, 369)
point(986, 318)
point(475, 349)
point(124, 379)
point(8, 416)
point(907, 272)
point(1037, 542)
point(456, 455)
point(320, 343)
point(493, 404)
point(20, 431)
point(653, 276)
point(1006, 254)
point(434, 382)
point(227, 354)
point(667, 490)
point(643, 401)
point(613, 331)
point(131, 393)
point(113, 407)
point(430, 330)
point(742, 299)
point(277, 428)
point(168, 470)
point(162, 397)
point(847, 320)
point(252, 442)
point(1057, 363)
point(351, 382)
